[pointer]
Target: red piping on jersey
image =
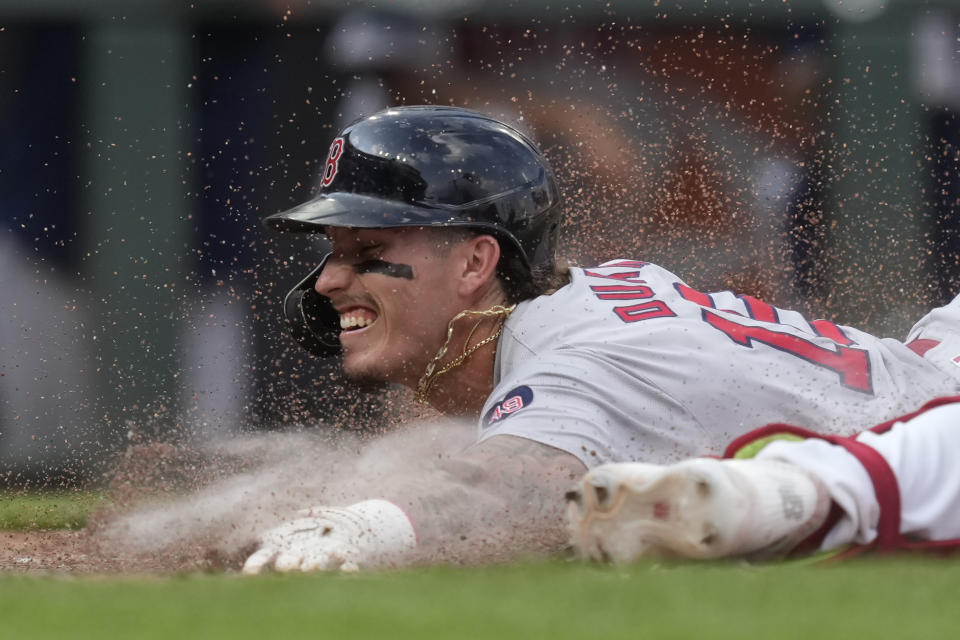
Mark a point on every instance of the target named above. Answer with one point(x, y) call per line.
point(811, 544)
point(885, 486)
point(886, 489)
point(936, 402)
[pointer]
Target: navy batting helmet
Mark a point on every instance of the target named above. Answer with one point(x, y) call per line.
point(424, 166)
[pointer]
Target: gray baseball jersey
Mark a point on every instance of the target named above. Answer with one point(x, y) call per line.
point(628, 363)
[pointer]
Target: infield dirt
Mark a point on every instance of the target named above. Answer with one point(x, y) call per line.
point(172, 509)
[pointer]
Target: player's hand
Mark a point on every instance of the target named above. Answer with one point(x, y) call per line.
point(363, 535)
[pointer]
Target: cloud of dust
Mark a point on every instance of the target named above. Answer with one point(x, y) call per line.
point(261, 480)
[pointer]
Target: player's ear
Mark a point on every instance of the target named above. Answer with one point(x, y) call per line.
point(481, 254)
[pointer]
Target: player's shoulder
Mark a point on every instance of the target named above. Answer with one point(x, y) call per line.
point(576, 311)
point(623, 264)
point(587, 281)
point(624, 270)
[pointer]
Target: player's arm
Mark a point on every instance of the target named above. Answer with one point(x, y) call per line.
point(498, 498)
point(503, 495)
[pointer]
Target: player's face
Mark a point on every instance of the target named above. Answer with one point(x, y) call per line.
point(395, 295)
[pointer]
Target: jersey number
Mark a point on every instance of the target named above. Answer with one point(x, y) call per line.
point(850, 364)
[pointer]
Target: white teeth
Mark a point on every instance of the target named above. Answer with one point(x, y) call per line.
point(348, 322)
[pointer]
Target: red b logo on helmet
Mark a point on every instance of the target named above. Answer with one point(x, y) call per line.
point(330, 170)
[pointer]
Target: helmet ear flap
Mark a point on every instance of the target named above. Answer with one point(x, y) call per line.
point(311, 318)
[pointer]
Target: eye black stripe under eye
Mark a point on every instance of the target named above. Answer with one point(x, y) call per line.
point(391, 269)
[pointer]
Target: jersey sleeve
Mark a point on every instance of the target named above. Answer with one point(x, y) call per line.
point(567, 400)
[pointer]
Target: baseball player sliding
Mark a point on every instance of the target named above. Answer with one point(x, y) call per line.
point(442, 276)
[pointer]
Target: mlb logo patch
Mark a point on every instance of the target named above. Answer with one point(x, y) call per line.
point(512, 402)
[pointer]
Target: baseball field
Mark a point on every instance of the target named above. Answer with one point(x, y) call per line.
point(893, 597)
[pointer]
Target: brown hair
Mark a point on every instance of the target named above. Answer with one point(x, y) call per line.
point(520, 284)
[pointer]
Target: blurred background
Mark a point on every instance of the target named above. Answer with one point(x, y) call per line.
point(802, 151)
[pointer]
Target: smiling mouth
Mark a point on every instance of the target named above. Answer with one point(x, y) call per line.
point(356, 319)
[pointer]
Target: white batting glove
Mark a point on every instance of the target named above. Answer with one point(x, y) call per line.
point(362, 535)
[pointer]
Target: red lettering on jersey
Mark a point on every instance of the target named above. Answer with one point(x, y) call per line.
point(760, 310)
point(693, 295)
point(920, 346)
point(626, 276)
point(850, 364)
point(829, 330)
point(622, 291)
point(644, 311)
point(635, 290)
point(634, 264)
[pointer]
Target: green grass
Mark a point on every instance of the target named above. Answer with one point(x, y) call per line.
point(906, 597)
point(51, 510)
point(902, 597)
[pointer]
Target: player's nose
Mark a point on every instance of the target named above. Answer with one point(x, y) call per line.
point(334, 277)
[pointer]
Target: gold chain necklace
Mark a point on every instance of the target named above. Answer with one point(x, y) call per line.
point(431, 373)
